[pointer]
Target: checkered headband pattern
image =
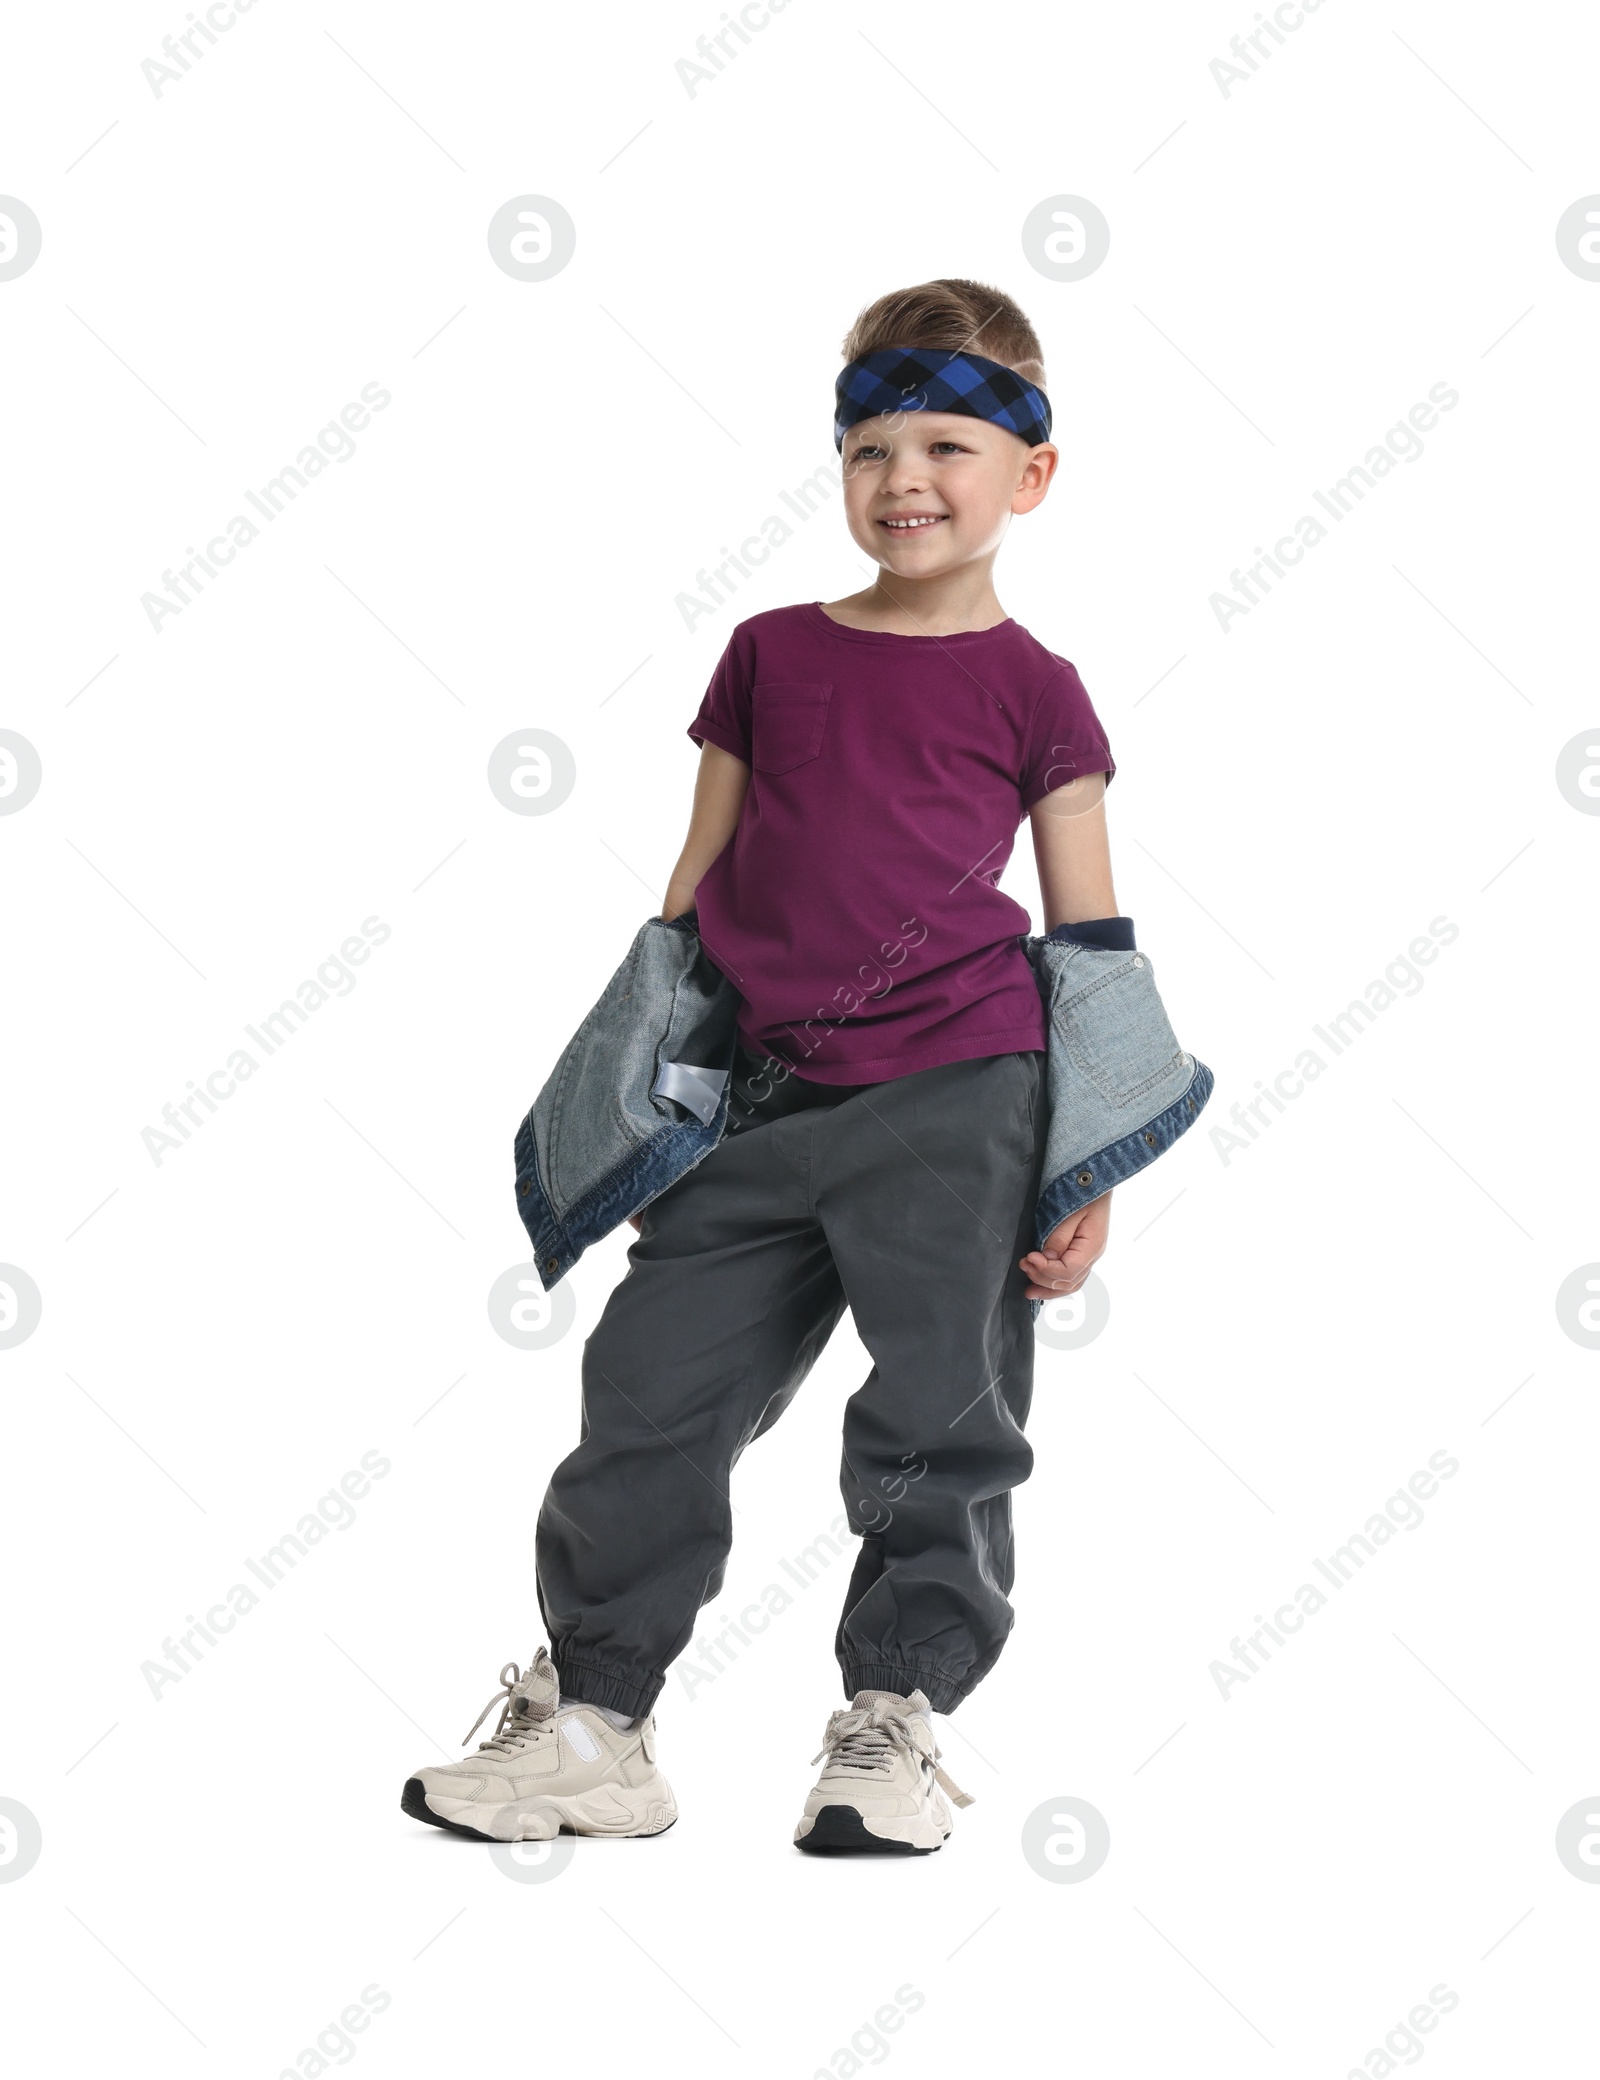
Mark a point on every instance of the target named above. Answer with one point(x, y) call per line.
point(929, 379)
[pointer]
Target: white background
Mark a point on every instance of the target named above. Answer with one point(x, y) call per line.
point(1294, 1330)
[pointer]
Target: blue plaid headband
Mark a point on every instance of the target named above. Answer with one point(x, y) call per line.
point(929, 379)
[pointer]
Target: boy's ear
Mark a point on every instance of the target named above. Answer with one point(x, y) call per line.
point(1037, 473)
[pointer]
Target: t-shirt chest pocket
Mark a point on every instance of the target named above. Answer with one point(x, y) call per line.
point(787, 721)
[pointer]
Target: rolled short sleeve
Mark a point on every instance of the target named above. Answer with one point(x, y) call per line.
point(1064, 739)
point(724, 716)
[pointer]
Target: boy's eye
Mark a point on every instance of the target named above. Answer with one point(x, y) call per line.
point(869, 450)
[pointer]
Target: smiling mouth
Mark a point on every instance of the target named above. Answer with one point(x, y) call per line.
point(913, 523)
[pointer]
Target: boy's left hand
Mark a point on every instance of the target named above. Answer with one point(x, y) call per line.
point(1069, 1253)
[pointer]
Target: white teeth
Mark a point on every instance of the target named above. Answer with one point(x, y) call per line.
point(920, 520)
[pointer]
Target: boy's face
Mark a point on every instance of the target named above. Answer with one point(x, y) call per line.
point(961, 478)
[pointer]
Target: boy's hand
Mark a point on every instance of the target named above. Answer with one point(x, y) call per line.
point(1069, 1253)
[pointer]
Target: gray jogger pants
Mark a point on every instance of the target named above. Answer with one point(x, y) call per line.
point(909, 1201)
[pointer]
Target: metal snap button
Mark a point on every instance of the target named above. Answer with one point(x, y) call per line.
point(552, 1263)
point(1085, 1177)
point(1138, 960)
point(522, 1189)
point(1151, 1139)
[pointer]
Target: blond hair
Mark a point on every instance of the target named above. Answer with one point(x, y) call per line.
point(956, 315)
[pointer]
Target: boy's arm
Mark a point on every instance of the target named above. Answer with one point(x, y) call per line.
point(1074, 860)
point(719, 792)
point(1073, 853)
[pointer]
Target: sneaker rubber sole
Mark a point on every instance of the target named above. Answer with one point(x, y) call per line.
point(600, 1813)
point(839, 1830)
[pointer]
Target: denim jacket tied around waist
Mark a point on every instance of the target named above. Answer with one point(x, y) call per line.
point(640, 1092)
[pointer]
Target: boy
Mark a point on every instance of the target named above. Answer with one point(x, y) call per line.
point(864, 766)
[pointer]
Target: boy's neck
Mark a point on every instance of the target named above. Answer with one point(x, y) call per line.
point(956, 603)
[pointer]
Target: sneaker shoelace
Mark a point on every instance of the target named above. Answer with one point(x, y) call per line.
point(517, 1706)
point(866, 1738)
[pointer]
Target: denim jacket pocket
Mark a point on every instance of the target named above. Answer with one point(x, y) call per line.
point(1115, 1028)
point(787, 720)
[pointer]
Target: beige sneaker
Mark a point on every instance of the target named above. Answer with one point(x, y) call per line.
point(546, 1770)
point(881, 1788)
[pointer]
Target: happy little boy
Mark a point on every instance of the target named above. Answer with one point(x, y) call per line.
point(864, 767)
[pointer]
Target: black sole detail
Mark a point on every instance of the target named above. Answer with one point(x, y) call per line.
point(841, 1831)
point(415, 1806)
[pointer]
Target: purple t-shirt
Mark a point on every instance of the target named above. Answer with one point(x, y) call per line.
point(855, 908)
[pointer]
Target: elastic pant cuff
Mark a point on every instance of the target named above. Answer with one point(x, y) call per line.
point(617, 1689)
point(943, 1692)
